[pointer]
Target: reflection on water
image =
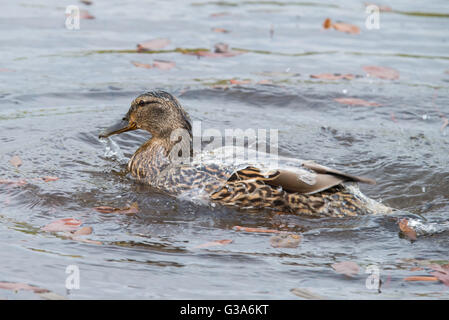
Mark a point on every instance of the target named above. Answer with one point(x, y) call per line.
point(60, 88)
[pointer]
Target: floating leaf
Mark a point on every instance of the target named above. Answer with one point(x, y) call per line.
point(153, 45)
point(341, 26)
point(49, 178)
point(16, 161)
point(142, 65)
point(13, 183)
point(214, 243)
point(68, 224)
point(306, 294)
point(381, 72)
point(356, 102)
point(260, 230)
point(441, 272)
point(346, 27)
point(332, 76)
point(6, 70)
point(406, 230)
point(327, 23)
point(221, 50)
point(239, 81)
point(133, 208)
point(421, 278)
point(163, 64)
point(84, 14)
point(219, 14)
point(220, 30)
point(86, 2)
point(285, 241)
point(348, 268)
point(84, 231)
point(15, 286)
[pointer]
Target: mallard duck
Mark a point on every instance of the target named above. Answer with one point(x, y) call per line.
point(311, 189)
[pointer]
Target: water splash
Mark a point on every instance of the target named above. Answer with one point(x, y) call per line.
point(113, 151)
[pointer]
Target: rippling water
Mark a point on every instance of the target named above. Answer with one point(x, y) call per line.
point(60, 87)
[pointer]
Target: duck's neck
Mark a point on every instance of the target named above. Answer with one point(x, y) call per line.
point(156, 154)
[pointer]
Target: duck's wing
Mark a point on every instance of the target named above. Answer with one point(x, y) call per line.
point(309, 179)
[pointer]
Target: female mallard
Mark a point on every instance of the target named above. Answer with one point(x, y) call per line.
point(311, 189)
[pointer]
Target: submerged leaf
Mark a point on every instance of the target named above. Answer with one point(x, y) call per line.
point(346, 27)
point(142, 65)
point(356, 102)
point(348, 268)
point(163, 64)
point(260, 230)
point(16, 161)
point(421, 278)
point(67, 224)
point(232, 81)
point(332, 76)
point(221, 30)
point(152, 45)
point(381, 72)
point(15, 286)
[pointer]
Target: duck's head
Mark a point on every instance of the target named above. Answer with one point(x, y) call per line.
point(157, 112)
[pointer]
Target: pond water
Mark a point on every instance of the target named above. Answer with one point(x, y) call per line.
point(60, 88)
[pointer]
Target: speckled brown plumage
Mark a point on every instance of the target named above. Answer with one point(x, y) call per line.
point(245, 188)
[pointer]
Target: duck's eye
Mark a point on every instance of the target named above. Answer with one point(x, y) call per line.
point(141, 103)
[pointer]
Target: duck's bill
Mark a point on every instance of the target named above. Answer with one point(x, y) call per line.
point(119, 127)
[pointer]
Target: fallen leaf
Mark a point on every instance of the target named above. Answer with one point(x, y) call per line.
point(441, 272)
point(86, 2)
point(49, 178)
point(346, 27)
point(163, 64)
point(83, 231)
point(14, 183)
point(260, 230)
point(406, 230)
point(214, 243)
point(68, 224)
point(327, 23)
point(381, 72)
point(341, 26)
point(15, 286)
point(333, 76)
point(219, 14)
point(356, 102)
point(133, 208)
point(421, 278)
point(239, 81)
point(220, 50)
point(153, 45)
point(16, 161)
point(285, 241)
point(142, 65)
point(265, 81)
point(306, 294)
point(84, 14)
point(347, 268)
point(220, 30)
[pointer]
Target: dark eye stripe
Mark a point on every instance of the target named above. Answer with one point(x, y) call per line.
point(141, 103)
